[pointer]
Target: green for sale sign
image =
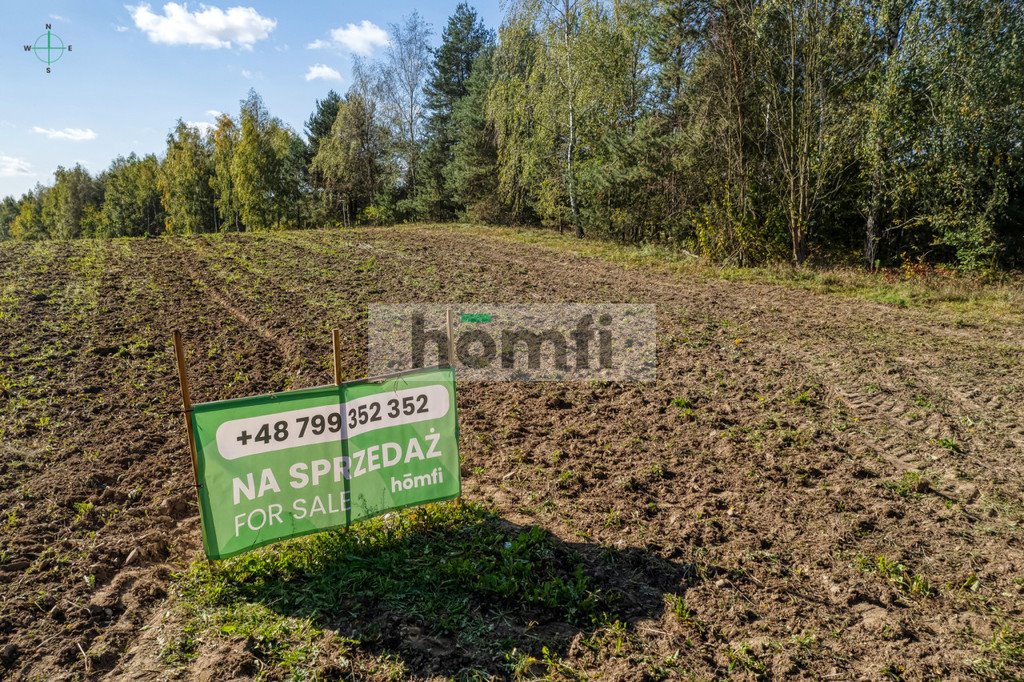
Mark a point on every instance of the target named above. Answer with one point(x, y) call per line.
point(278, 466)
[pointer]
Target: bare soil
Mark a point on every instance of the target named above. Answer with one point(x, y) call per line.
point(790, 441)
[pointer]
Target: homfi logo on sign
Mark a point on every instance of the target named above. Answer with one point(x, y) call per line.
point(289, 464)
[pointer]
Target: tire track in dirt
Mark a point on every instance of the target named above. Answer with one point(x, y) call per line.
point(285, 348)
point(305, 327)
point(885, 409)
point(909, 413)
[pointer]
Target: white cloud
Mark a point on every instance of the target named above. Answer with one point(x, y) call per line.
point(207, 26)
point(252, 75)
point(121, 29)
point(11, 167)
point(322, 72)
point(206, 126)
point(361, 39)
point(57, 17)
point(73, 134)
point(203, 126)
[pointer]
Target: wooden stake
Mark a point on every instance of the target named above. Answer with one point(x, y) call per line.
point(336, 338)
point(451, 363)
point(186, 402)
point(451, 339)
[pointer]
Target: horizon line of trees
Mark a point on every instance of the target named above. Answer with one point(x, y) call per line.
point(745, 131)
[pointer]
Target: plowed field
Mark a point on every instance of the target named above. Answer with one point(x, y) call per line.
point(815, 486)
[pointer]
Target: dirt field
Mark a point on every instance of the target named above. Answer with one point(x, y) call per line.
point(815, 487)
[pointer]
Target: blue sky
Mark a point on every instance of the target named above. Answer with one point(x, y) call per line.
point(135, 68)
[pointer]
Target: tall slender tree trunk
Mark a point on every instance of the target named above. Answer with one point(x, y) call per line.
point(571, 176)
point(570, 152)
point(893, 38)
point(873, 226)
point(737, 182)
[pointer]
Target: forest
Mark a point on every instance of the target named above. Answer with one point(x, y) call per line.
point(876, 132)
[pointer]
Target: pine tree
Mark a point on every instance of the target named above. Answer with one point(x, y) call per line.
point(290, 154)
point(318, 125)
point(470, 177)
point(462, 42)
point(318, 128)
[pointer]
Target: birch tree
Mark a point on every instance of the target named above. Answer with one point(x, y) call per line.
point(402, 74)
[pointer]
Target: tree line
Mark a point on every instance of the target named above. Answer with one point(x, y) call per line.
point(742, 130)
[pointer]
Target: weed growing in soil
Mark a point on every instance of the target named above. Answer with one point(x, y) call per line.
point(742, 657)
point(1002, 656)
point(548, 666)
point(453, 570)
point(804, 398)
point(82, 510)
point(899, 575)
point(682, 611)
point(951, 445)
point(894, 672)
point(685, 406)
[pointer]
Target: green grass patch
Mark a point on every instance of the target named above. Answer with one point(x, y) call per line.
point(456, 572)
point(968, 297)
point(910, 485)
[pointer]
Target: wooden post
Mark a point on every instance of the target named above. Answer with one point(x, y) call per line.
point(451, 339)
point(451, 363)
point(186, 402)
point(336, 339)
